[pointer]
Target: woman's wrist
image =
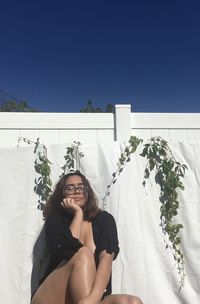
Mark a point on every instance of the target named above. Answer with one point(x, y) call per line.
point(95, 296)
point(78, 212)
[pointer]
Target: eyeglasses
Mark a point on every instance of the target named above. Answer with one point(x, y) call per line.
point(72, 189)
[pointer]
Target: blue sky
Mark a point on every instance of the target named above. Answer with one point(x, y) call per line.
point(58, 54)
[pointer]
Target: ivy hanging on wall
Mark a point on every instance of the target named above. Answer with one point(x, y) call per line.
point(42, 165)
point(72, 158)
point(168, 175)
point(125, 157)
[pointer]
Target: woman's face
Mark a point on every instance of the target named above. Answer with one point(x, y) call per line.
point(75, 189)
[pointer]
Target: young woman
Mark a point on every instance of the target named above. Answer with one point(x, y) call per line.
point(83, 243)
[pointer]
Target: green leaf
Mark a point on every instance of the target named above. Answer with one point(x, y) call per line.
point(146, 173)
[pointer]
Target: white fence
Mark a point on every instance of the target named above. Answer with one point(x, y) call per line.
point(60, 128)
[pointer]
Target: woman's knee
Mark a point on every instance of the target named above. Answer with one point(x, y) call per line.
point(85, 255)
point(134, 300)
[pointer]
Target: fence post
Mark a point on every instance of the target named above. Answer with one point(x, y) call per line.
point(122, 122)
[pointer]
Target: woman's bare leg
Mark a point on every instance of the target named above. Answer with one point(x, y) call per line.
point(69, 282)
point(53, 289)
point(83, 275)
point(121, 299)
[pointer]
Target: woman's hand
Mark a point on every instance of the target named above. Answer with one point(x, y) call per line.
point(69, 205)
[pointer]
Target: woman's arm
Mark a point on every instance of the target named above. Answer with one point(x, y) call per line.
point(102, 275)
point(76, 224)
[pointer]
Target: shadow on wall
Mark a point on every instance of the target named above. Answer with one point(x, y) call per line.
point(40, 257)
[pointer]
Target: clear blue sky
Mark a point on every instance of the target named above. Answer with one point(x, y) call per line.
point(58, 54)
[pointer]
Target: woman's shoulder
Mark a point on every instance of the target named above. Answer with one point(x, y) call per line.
point(57, 217)
point(104, 216)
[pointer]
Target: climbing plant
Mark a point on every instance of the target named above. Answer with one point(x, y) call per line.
point(72, 158)
point(42, 165)
point(125, 157)
point(168, 174)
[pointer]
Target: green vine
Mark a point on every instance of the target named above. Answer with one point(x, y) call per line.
point(125, 157)
point(43, 183)
point(168, 175)
point(72, 158)
point(42, 166)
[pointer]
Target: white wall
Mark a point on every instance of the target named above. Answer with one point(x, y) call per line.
point(144, 267)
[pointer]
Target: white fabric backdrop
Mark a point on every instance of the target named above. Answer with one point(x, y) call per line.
point(143, 266)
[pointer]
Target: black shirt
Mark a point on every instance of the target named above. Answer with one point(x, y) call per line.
point(63, 245)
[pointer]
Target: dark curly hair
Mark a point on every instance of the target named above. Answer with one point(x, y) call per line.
point(53, 204)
